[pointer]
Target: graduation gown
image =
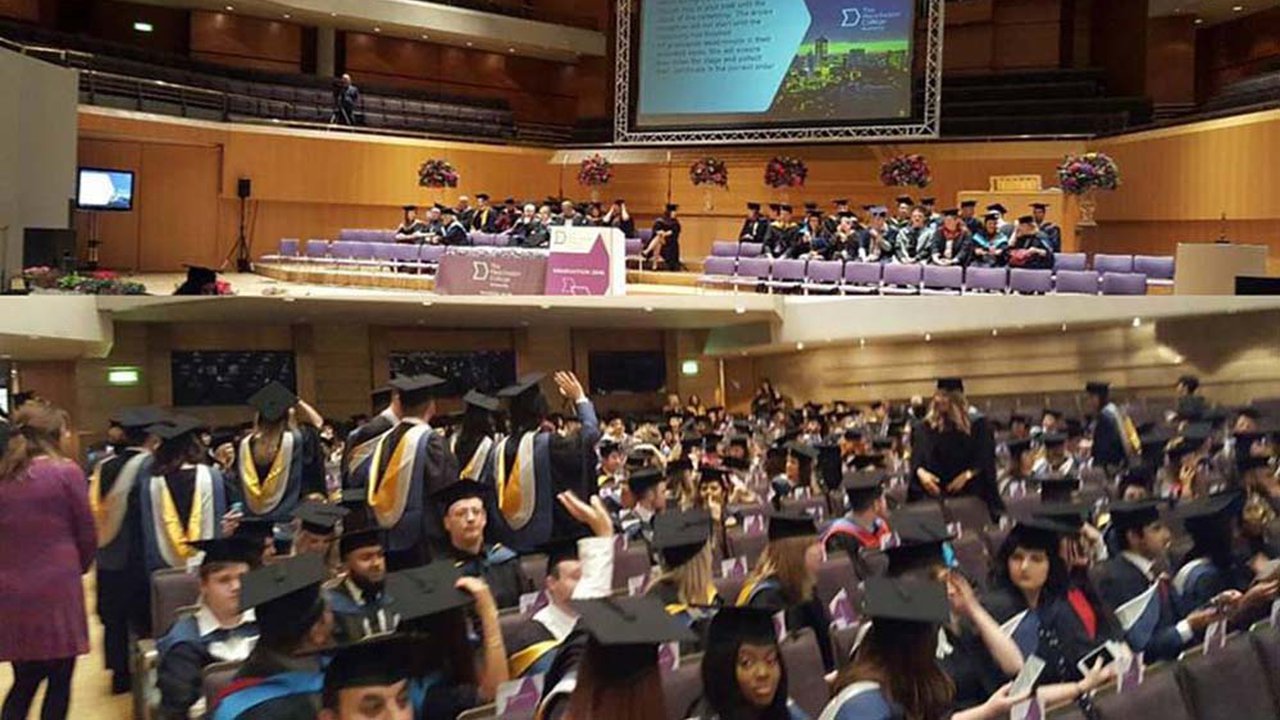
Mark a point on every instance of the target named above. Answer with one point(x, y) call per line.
point(843, 534)
point(273, 491)
point(483, 220)
point(1119, 581)
point(498, 566)
point(961, 248)
point(862, 701)
point(781, 238)
point(185, 505)
point(1200, 579)
point(356, 613)
point(533, 650)
point(1109, 447)
point(359, 446)
point(1053, 234)
point(193, 643)
point(1059, 636)
point(454, 234)
point(1027, 242)
point(695, 617)
point(754, 230)
point(271, 686)
point(767, 593)
point(949, 452)
point(671, 248)
point(968, 662)
point(123, 586)
point(408, 465)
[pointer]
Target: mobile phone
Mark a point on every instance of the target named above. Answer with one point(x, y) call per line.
point(1027, 677)
point(237, 508)
point(1088, 661)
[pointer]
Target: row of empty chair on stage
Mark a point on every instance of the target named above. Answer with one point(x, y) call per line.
point(863, 278)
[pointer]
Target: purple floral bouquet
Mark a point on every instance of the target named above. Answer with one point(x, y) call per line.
point(1079, 174)
point(437, 174)
point(709, 171)
point(906, 171)
point(595, 170)
point(783, 171)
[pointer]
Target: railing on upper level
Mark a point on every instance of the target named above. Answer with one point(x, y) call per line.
point(524, 11)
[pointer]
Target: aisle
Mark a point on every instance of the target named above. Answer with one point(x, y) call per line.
point(91, 697)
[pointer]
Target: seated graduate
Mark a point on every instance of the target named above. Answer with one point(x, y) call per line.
point(665, 244)
point(282, 677)
point(839, 242)
point(484, 217)
point(895, 672)
point(372, 679)
point(743, 675)
point(876, 242)
point(755, 229)
point(968, 216)
point(183, 500)
point(796, 472)
point(812, 236)
point(912, 243)
point(412, 229)
point(1030, 596)
point(684, 546)
point(784, 233)
point(619, 217)
point(865, 525)
point(990, 246)
point(952, 244)
point(507, 215)
point(316, 529)
point(648, 487)
point(358, 597)
point(594, 215)
point(280, 462)
point(217, 632)
point(1050, 230)
point(1055, 461)
point(452, 231)
point(1029, 248)
point(462, 506)
point(609, 666)
point(902, 218)
point(1125, 581)
point(785, 578)
point(1218, 570)
point(576, 569)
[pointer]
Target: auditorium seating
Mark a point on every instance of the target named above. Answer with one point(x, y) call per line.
point(1036, 102)
point(171, 590)
point(1110, 275)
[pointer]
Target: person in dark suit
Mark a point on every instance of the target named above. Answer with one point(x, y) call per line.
point(484, 218)
point(346, 101)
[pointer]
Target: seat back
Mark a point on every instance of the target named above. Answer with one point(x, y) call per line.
point(1113, 263)
point(1078, 282)
point(1159, 692)
point(534, 569)
point(1266, 642)
point(971, 555)
point(289, 247)
point(1022, 280)
point(986, 279)
point(902, 275)
point(431, 253)
point(747, 546)
point(842, 641)
point(630, 563)
point(645, 235)
point(836, 574)
point(788, 270)
point(861, 273)
point(825, 271)
point(1155, 267)
point(805, 681)
point(317, 248)
point(171, 590)
point(1228, 684)
point(757, 267)
point(924, 509)
point(947, 277)
point(724, 248)
point(969, 511)
point(1070, 261)
point(511, 623)
point(1124, 284)
point(215, 678)
point(728, 588)
point(634, 246)
point(750, 249)
point(719, 265)
point(682, 687)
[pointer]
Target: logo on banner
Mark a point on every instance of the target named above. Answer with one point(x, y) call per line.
point(480, 271)
point(852, 17)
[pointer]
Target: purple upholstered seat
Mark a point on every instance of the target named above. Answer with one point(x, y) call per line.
point(750, 249)
point(348, 234)
point(1077, 282)
point(343, 249)
point(430, 253)
point(900, 278)
point(718, 270)
point(986, 279)
point(1112, 263)
point(943, 278)
point(1124, 284)
point(1070, 261)
point(289, 247)
point(824, 274)
point(861, 277)
point(1024, 281)
point(1157, 268)
point(645, 235)
point(634, 246)
point(752, 271)
point(383, 253)
point(317, 249)
point(724, 248)
point(787, 273)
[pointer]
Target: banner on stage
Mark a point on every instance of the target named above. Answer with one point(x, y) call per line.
point(583, 261)
point(468, 270)
point(587, 261)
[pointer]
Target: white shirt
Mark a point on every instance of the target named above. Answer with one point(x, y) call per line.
point(234, 648)
point(558, 622)
point(1147, 567)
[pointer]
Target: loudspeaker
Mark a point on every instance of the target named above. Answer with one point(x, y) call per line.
point(244, 188)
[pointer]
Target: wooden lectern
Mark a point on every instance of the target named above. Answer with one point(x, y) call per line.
point(1017, 192)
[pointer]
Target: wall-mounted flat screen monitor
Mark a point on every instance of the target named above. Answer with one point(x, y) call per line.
point(102, 189)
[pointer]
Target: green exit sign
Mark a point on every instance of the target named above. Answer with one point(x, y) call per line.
point(124, 376)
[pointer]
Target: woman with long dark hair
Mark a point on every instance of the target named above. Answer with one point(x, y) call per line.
point(953, 450)
point(477, 436)
point(1217, 566)
point(184, 500)
point(48, 542)
point(743, 676)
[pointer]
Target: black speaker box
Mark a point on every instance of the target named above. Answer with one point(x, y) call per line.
point(244, 188)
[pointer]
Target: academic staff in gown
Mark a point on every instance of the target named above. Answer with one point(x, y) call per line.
point(1052, 232)
point(452, 231)
point(484, 218)
point(784, 234)
point(755, 229)
point(1111, 444)
point(361, 441)
point(963, 462)
point(124, 589)
point(462, 506)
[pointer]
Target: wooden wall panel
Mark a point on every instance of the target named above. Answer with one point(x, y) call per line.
point(1236, 50)
point(1171, 59)
point(344, 370)
point(179, 222)
point(113, 20)
point(1234, 360)
point(28, 10)
point(244, 41)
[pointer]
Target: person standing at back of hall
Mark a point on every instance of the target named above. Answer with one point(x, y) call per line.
point(279, 464)
point(346, 101)
point(47, 542)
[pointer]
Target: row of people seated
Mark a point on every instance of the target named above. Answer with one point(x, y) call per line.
point(916, 234)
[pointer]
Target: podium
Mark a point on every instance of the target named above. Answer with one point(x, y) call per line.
point(1212, 268)
point(1017, 192)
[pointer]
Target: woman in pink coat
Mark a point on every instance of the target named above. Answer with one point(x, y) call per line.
point(46, 543)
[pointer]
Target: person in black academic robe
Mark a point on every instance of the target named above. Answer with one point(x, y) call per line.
point(452, 231)
point(484, 218)
point(1052, 232)
point(783, 235)
point(665, 244)
point(954, 451)
point(755, 229)
point(462, 508)
point(1110, 449)
point(1030, 249)
point(619, 217)
point(360, 442)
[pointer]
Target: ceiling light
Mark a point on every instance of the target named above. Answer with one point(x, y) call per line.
point(928, 337)
point(1064, 327)
point(995, 332)
point(143, 27)
point(424, 36)
point(862, 342)
point(511, 50)
point(1199, 21)
point(287, 16)
point(648, 308)
point(468, 44)
point(230, 9)
point(799, 346)
point(1137, 322)
point(427, 303)
point(1237, 8)
point(333, 14)
point(287, 298)
point(377, 29)
point(740, 310)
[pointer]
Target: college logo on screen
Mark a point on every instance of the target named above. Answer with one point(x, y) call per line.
point(852, 17)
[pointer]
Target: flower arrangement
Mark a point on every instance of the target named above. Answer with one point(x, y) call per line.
point(709, 171)
point(437, 174)
point(595, 170)
point(783, 171)
point(101, 282)
point(906, 171)
point(1079, 174)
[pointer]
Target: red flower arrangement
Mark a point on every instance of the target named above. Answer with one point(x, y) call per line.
point(906, 170)
point(709, 171)
point(783, 171)
point(595, 170)
point(1091, 171)
point(437, 174)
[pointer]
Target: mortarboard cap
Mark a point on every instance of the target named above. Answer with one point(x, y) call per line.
point(415, 389)
point(785, 524)
point(407, 208)
point(840, 201)
point(1040, 533)
point(234, 549)
point(679, 536)
point(879, 210)
point(951, 212)
point(1127, 516)
point(928, 200)
point(482, 196)
point(364, 533)
point(672, 207)
point(522, 385)
point(644, 480)
point(273, 401)
point(1026, 220)
point(919, 544)
point(256, 529)
point(1058, 489)
point(681, 463)
point(951, 384)
point(630, 621)
point(462, 489)
point(1097, 387)
point(1018, 446)
point(318, 517)
point(882, 443)
point(138, 417)
point(1067, 513)
point(1054, 438)
point(969, 203)
point(803, 450)
point(734, 625)
point(1039, 206)
point(477, 399)
point(375, 661)
point(905, 600)
point(861, 486)
point(285, 589)
point(997, 207)
point(175, 427)
point(735, 463)
point(775, 207)
point(1197, 433)
point(753, 206)
point(785, 207)
point(904, 199)
point(1207, 513)
point(425, 590)
point(1249, 461)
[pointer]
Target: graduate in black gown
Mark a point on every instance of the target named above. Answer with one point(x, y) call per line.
point(1051, 231)
point(954, 450)
point(361, 441)
point(683, 542)
point(1218, 569)
point(742, 670)
point(755, 229)
point(462, 508)
point(665, 245)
